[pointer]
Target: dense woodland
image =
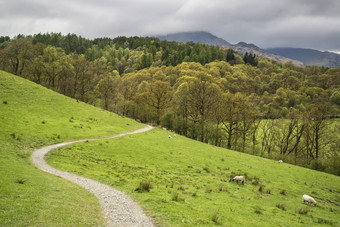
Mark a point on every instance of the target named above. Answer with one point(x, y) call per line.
point(213, 95)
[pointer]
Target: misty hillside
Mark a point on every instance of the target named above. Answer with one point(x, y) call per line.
point(210, 39)
point(308, 56)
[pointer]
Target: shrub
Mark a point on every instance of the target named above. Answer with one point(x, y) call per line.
point(318, 165)
point(281, 206)
point(5, 102)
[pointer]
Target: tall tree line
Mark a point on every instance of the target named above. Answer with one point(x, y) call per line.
point(269, 109)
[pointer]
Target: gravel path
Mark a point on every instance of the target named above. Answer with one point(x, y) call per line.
point(118, 208)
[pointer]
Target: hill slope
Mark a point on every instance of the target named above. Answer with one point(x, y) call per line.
point(308, 56)
point(190, 182)
point(32, 116)
point(241, 47)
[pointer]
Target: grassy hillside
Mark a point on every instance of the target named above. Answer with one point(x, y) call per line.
point(190, 182)
point(32, 116)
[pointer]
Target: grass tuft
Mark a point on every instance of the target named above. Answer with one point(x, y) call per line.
point(283, 192)
point(20, 181)
point(281, 206)
point(258, 210)
point(144, 186)
point(303, 210)
point(208, 189)
point(261, 188)
point(216, 216)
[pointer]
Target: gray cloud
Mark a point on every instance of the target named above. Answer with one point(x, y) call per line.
point(266, 23)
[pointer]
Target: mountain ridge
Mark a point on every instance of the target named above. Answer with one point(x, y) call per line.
point(327, 59)
point(308, 56)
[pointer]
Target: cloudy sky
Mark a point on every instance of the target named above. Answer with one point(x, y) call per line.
point(267, 23)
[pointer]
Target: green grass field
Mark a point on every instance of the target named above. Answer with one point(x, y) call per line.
point(190, 182)
point(32, 116)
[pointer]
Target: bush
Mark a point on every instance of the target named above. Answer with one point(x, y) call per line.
point(318, 165)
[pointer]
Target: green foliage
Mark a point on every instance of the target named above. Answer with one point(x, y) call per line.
point(200, 91)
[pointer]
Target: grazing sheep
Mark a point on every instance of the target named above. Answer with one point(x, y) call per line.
point(238, 178)
point(280, 161)
point(169, 136)
point(309, 199)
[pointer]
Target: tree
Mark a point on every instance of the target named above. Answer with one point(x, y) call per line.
point(85, 76)
point(237, 115)
point(106, 86)
point(202, 96)
point(156, 94)
point(55, 63)
point(316, 129)
point(15, 56)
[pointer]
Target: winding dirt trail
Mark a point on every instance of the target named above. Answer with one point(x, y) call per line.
point(118, 208)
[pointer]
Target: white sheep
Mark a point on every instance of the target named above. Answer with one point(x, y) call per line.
point(309, 199)
point(238, 178)
point(280, 161)
point(169, 136)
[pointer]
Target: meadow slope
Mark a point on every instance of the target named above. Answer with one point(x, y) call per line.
point(32, 116)
point(190, 182)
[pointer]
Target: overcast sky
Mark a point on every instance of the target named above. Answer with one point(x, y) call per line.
point(266, 23)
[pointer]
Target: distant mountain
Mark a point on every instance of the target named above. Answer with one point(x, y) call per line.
point(308, 56)
point(208, 38)
point(197, 37)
